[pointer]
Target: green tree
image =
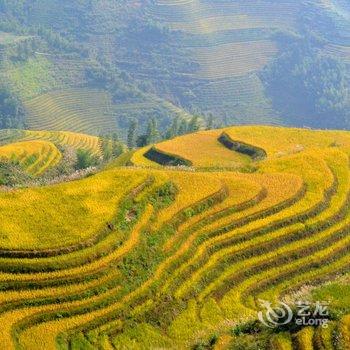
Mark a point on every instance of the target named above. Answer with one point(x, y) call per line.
point(183, 127)
point(11, 110)
point(305, 83)
point(210, 122)
point(105, 147)
point(194, 124)
point(152, 134)
point(173, 130)
point(142, 141)
point(110, 146)
point(117, 147)
point(132, 134)
point(85, 159)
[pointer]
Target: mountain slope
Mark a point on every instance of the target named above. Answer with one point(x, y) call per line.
point(230, 58)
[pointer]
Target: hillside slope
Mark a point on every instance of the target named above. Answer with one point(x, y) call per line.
point(244, 62)
point(178, 257)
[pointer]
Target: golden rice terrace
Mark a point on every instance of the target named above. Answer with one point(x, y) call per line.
point(177, 250)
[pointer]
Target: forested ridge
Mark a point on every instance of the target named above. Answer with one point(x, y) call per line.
point(272, 62)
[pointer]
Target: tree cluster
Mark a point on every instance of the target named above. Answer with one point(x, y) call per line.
point(136, 139)
point(310, 87)
point(179, 126)
point(11, 110)
point(110, 146)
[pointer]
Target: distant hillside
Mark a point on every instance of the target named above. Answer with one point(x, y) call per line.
point(262, 61)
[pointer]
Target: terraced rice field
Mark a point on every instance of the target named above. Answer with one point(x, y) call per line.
point(339, 52)
point(66, 139)
point(243, 95)
point(138, 158)
point(206, 18)
point(134, 258)
point(234, 59)
point(206, 15)
point(35, 157)
point(77, 110)
point(190, 148)
point(230, 42)
point(59, 138)
point(37, 152)
point(90, 111)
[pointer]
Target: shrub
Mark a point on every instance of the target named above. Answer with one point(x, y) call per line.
point(85, 159)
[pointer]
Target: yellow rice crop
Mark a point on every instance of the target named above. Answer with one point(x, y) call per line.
point(244, 306)
point(281, 341)
point(139, 159)
point(88, 267)
point(65, 138)
point(64, 214)
point(240, 190)
point(45, 154)
point(278, 141)
point(204, 150)
point(193, 187)
point(32, 342)
point(204, 246)
point(46, 339)
point(344, 328)
point(304, 339)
